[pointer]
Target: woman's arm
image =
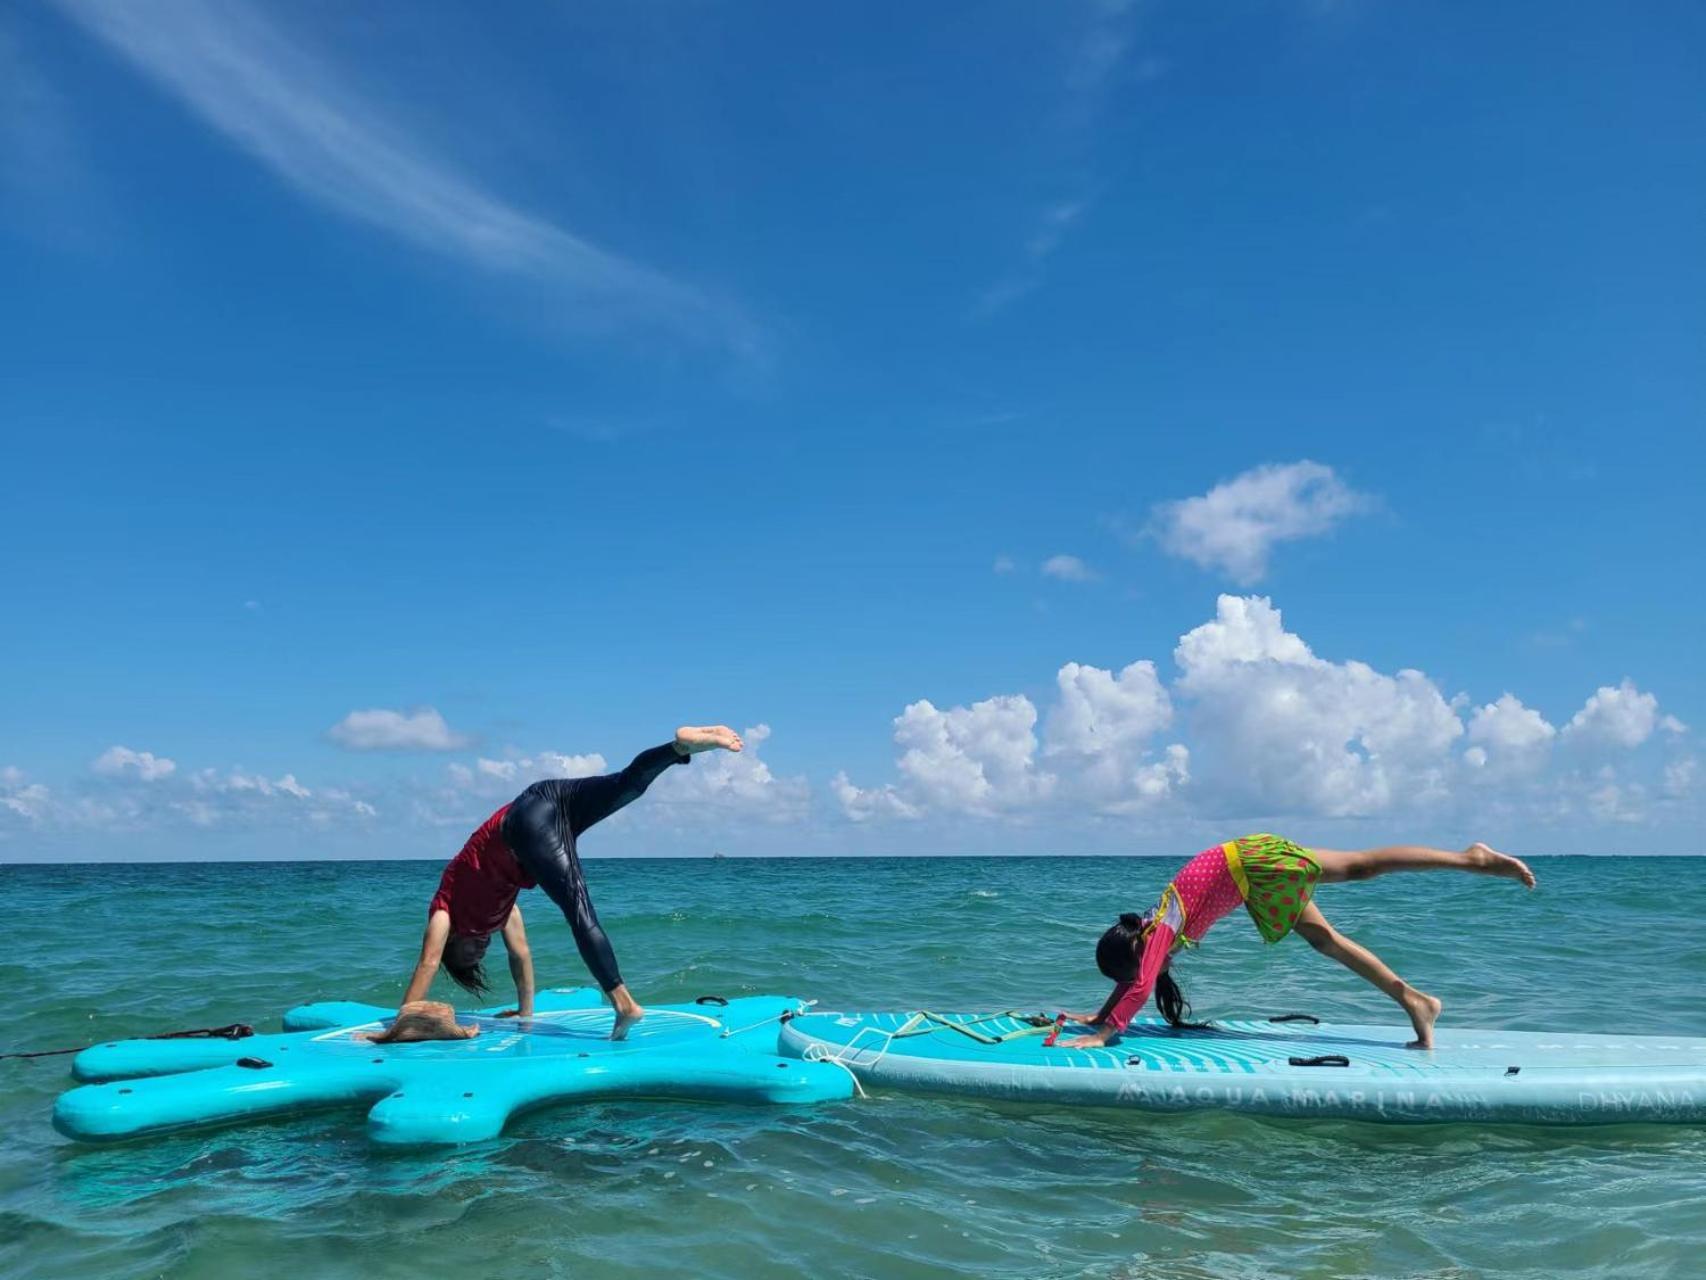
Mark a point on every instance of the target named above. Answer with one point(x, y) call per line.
point(432, 951)
point(520, 963)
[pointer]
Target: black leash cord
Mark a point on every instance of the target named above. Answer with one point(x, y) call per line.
point(232, 1031)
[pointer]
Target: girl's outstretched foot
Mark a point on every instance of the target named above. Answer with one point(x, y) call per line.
point(1424, 1012)
point(1491, 862)
point(692, 739)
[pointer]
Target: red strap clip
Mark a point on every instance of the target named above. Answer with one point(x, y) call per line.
point(1059, 1023)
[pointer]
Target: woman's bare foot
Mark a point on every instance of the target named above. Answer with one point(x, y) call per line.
point(628, 1012)
point(1491, 862)
point(422, 1020)
point(1424, 1012)
point(692, 739)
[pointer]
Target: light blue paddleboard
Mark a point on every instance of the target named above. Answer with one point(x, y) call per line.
point(1291, 1067)
point(442, 1091)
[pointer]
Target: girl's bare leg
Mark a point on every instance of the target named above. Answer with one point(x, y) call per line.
point(1422, 1009)
point(1361, 864)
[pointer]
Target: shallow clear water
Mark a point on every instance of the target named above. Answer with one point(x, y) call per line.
point(894, 1186)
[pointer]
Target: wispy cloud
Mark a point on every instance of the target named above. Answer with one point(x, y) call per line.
point(1106, 40)
point(1051, 230)
point(44, 177)
point(1068, 569)
point(380, 729)
point(244, 76)
point(1094, 61)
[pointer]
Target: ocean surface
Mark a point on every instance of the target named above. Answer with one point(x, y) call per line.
point(892, 1186)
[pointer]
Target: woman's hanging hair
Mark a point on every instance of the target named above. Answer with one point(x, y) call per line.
point(1117, 957)
point(462, 961)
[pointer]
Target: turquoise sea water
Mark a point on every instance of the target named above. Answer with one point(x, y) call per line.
point(893, 1186)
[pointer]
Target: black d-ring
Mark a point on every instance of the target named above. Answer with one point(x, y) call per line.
point(1325, 1060)
point(719, 1001)
point(1310, 1018)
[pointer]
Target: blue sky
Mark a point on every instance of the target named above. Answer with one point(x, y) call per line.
point(400, 403)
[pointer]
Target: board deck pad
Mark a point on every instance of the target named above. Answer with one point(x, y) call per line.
point(1295, 1066)
point(442, 1091)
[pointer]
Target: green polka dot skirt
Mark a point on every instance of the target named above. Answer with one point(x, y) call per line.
point(1281, 879)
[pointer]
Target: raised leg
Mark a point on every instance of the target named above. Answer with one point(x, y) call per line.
point(1363, 864)
point(1422, 1009)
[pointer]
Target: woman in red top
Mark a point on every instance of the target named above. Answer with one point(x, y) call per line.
point(531, 842)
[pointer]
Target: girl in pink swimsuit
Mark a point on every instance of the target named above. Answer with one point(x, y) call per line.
point(1275, 881)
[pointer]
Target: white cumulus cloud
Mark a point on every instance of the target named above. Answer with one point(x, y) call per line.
point(1619, 716)
point(1269, 729)
point(862, 804)
point(117, 762)
point(1507, 737)
point(976, 759)
point(738, 784)
point(505, 777)
point(1100, 712)
point(377, 729)
point(1234, 527)
point(212, 797)
point(1679, 777)
point(22, 798)
point(1098, 735)
point(1292, 732)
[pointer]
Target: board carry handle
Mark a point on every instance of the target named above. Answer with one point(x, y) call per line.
point(1310, 1018)
point(1323, 1060)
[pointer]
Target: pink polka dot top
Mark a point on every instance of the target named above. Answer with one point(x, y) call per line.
point(1202, 892)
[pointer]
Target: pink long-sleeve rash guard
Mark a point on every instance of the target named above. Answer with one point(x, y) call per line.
point(1203, 891)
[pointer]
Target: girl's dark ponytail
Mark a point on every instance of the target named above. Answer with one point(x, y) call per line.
point(1173, 1005)
point(1117, 958)
point(1116, 950)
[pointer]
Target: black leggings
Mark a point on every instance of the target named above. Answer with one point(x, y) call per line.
point(541, 827)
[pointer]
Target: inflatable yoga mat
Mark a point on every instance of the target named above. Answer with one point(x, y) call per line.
point(1292, 1065)
point(443, 1091)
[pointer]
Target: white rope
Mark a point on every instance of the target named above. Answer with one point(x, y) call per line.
point(801, 1007)
point(850, 1052)
point(820, 1053)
